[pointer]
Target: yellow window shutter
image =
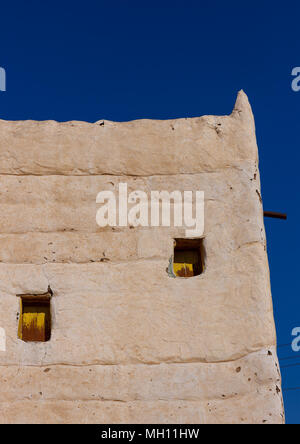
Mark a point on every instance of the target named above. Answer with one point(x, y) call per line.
point(34, 327)
point(183, 269)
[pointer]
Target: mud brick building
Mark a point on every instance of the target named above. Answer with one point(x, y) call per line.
point(94, 327)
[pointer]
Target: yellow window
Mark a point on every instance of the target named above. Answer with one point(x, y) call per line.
point(35, 318)
point(183, 269)
point(188, 257)
point(34, 327)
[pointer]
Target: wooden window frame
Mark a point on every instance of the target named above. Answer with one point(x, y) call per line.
point(41, 306)
point(194, 250)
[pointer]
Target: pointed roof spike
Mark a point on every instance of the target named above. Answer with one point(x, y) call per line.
point(242, 108)
point(242, 103)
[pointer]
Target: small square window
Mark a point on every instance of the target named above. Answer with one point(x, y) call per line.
point(35, 318)
point(188, 257)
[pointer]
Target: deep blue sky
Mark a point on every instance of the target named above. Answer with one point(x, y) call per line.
point(123, 60)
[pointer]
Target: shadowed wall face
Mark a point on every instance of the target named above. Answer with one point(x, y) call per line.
point(116, 310)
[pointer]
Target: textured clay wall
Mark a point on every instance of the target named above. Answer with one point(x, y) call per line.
point(129, 343)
